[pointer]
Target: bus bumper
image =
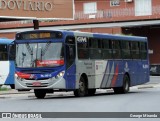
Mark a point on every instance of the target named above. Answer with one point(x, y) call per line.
point(51, 83)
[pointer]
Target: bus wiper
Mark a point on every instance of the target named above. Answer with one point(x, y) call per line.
point(23, 57)
point(29, 49)
point(31, 53)
point(43, 52)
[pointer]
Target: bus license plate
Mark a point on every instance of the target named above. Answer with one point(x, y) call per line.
point(36, 83)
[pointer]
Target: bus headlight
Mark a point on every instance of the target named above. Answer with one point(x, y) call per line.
point(17, 77)
point(61, 74)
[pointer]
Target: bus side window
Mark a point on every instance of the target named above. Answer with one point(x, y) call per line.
point(116, 49)
point(143, 50)
point(106, 49)
point(83, 50)
point(70, 51)
point(95, 51)
point(135, 51)
point(125, 46)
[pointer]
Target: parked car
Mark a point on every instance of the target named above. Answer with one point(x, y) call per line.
point(155, 69)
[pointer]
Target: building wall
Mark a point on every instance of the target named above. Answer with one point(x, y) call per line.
point(102, 4)
point(116, 30)
point(8, 35)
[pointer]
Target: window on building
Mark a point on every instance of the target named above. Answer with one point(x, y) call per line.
point(114, 3)
point(143, 7)
point(90, 8)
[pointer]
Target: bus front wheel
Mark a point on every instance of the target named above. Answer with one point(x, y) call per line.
point(12, 86)
point(125, 86)
point(40, 93)
point(82, 90)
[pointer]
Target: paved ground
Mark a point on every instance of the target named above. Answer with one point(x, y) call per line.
point(142, 98)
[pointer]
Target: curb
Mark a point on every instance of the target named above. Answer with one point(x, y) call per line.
point(13, 91)
point(147, 86)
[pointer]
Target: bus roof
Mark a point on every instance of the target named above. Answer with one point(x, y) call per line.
point(108, 36)
point(98, 35)
point(5, 41)
point(111, 36)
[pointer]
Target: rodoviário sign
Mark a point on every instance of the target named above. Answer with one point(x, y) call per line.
point(40, 9)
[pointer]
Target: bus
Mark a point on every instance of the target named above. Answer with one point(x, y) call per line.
point(56, 60)
point(7, 68)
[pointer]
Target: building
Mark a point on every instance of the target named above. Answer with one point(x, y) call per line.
point(131, 17)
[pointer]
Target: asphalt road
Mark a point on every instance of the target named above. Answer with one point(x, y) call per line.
point(145, 98)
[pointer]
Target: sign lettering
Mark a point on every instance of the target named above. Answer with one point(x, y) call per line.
point(26, 5)
point(82, 39)
point(37, 9)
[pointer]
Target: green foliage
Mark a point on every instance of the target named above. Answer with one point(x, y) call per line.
point(4, 89)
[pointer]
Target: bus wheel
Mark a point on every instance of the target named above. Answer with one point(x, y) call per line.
point(12, 86)
point(91, 92)
point(82, 91)
point(125, 87)
point(40, 93)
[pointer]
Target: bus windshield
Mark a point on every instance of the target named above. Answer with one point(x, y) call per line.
point(39, 55)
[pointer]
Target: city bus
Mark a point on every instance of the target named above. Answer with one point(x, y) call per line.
point(7, 68)
point(55, 60)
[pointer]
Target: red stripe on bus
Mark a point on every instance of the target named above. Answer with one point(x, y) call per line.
point(115, 77)
point(23, 75)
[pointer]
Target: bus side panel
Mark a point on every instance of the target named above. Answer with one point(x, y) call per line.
point(146, 71)
point(4, 72)
point(114, 73)
point(86, 67)
point(71, 77)
point(10, 77)
point(137, 70)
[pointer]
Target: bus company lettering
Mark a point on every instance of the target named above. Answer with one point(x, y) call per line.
point(26, 5)
point(82, 39)
point(88, 65)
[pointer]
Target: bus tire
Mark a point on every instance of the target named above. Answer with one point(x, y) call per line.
point(12, 86)
point(125, 88)
point(40, 93)
point(91, 92)
point(82, 90)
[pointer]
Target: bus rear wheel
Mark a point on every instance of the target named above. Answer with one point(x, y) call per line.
point(40, 93)
point(82, 90)
point(125, 87)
